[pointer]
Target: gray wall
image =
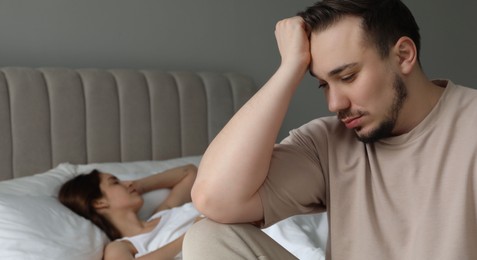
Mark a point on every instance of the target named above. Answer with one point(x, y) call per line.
point(210, 35)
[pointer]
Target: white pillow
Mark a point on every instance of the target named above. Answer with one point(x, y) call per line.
point(43, 184)
point(35, 225)
point(42, 228)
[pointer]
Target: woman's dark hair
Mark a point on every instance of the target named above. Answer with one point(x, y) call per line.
point(383, 21)
point(79, 195)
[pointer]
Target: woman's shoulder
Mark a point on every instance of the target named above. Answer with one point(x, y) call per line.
point(119, 249)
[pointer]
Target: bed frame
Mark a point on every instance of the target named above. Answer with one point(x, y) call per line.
point(54, 115)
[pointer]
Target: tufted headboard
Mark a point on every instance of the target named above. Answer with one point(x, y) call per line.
point(54, 115)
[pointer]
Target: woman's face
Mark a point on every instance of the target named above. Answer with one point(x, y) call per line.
point(119, 194)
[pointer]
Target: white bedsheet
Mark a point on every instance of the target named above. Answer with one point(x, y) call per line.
point(304, 236)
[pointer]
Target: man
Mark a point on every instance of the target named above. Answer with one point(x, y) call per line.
point(395, 170)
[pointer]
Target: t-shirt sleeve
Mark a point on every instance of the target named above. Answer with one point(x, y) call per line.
point(295, 183)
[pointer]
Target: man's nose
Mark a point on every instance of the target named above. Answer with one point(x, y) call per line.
point(337, 99)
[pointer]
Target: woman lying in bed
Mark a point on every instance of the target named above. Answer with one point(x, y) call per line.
point(113, 205)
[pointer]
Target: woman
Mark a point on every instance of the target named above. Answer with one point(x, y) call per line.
point(113, 205)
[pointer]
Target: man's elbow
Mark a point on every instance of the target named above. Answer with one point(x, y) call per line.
point(224, 209)
point(211, 206)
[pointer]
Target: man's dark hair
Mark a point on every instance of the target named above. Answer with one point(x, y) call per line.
point(383, 21)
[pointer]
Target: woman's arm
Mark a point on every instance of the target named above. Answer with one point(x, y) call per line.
point(123, 250)
point(119, 250)
point(164, 180)
point(179, 180)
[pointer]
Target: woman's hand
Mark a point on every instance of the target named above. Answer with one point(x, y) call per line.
point(136, 184)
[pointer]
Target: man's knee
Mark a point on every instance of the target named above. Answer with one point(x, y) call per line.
point(202, 229)
point(202, 239)
point(207, 239)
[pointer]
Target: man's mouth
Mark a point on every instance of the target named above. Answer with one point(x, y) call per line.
point(352, 122)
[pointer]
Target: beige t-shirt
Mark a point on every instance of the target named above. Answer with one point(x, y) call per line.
point(413, 196)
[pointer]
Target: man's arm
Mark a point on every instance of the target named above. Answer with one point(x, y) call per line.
point(236, 163)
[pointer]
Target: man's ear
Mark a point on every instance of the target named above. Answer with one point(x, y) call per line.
point(101, 203)
point(406, 52)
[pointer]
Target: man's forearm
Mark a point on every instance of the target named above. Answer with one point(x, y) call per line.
point(236, 163)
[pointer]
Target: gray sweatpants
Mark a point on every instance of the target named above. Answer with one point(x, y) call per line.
point(208, 240)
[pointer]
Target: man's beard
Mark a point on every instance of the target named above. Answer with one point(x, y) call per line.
point(386, 127)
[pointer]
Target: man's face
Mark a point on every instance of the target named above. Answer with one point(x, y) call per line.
point(363, 89)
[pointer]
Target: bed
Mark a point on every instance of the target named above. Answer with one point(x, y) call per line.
point(56, 123)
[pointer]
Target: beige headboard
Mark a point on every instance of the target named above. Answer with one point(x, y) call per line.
point(54, 115)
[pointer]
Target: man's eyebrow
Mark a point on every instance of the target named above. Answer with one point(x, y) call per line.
point(335, 71)
point(341, 69)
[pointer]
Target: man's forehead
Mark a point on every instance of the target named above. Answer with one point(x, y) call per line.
point(336, 48)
